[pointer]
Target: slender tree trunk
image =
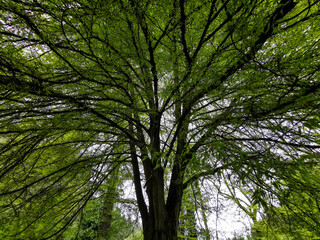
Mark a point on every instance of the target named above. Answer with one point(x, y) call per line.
point(191, 220)
point(188, 216)
point(108, 206)
point(203, 212)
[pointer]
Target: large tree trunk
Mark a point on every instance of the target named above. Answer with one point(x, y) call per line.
point(163, 219)
point(161, 228)
point(160, 218)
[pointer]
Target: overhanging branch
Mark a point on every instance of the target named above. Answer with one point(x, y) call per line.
point(203, 174)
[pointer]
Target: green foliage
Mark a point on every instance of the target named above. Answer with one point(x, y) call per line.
point(40, 194)
point(298, 215)
point(86, 226)
point(167, 92)
point(193, 222)
point(137, 235)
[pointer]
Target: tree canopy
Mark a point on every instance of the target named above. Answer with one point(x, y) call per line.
point(170, 92)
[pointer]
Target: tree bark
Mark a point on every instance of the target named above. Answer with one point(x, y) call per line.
point(162, 223)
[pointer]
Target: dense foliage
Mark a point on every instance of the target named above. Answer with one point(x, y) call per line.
point(166, 92)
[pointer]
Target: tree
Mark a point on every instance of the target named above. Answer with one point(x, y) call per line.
point(87, 227)
point(181, 90)
point(193, 218)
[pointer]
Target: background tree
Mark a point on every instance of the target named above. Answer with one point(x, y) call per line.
point(194, 214)
point(87, 226)
point(170, 87)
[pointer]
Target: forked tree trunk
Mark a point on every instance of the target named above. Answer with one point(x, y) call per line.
point(162, 220)
point(162, 228)
point(160, 216)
